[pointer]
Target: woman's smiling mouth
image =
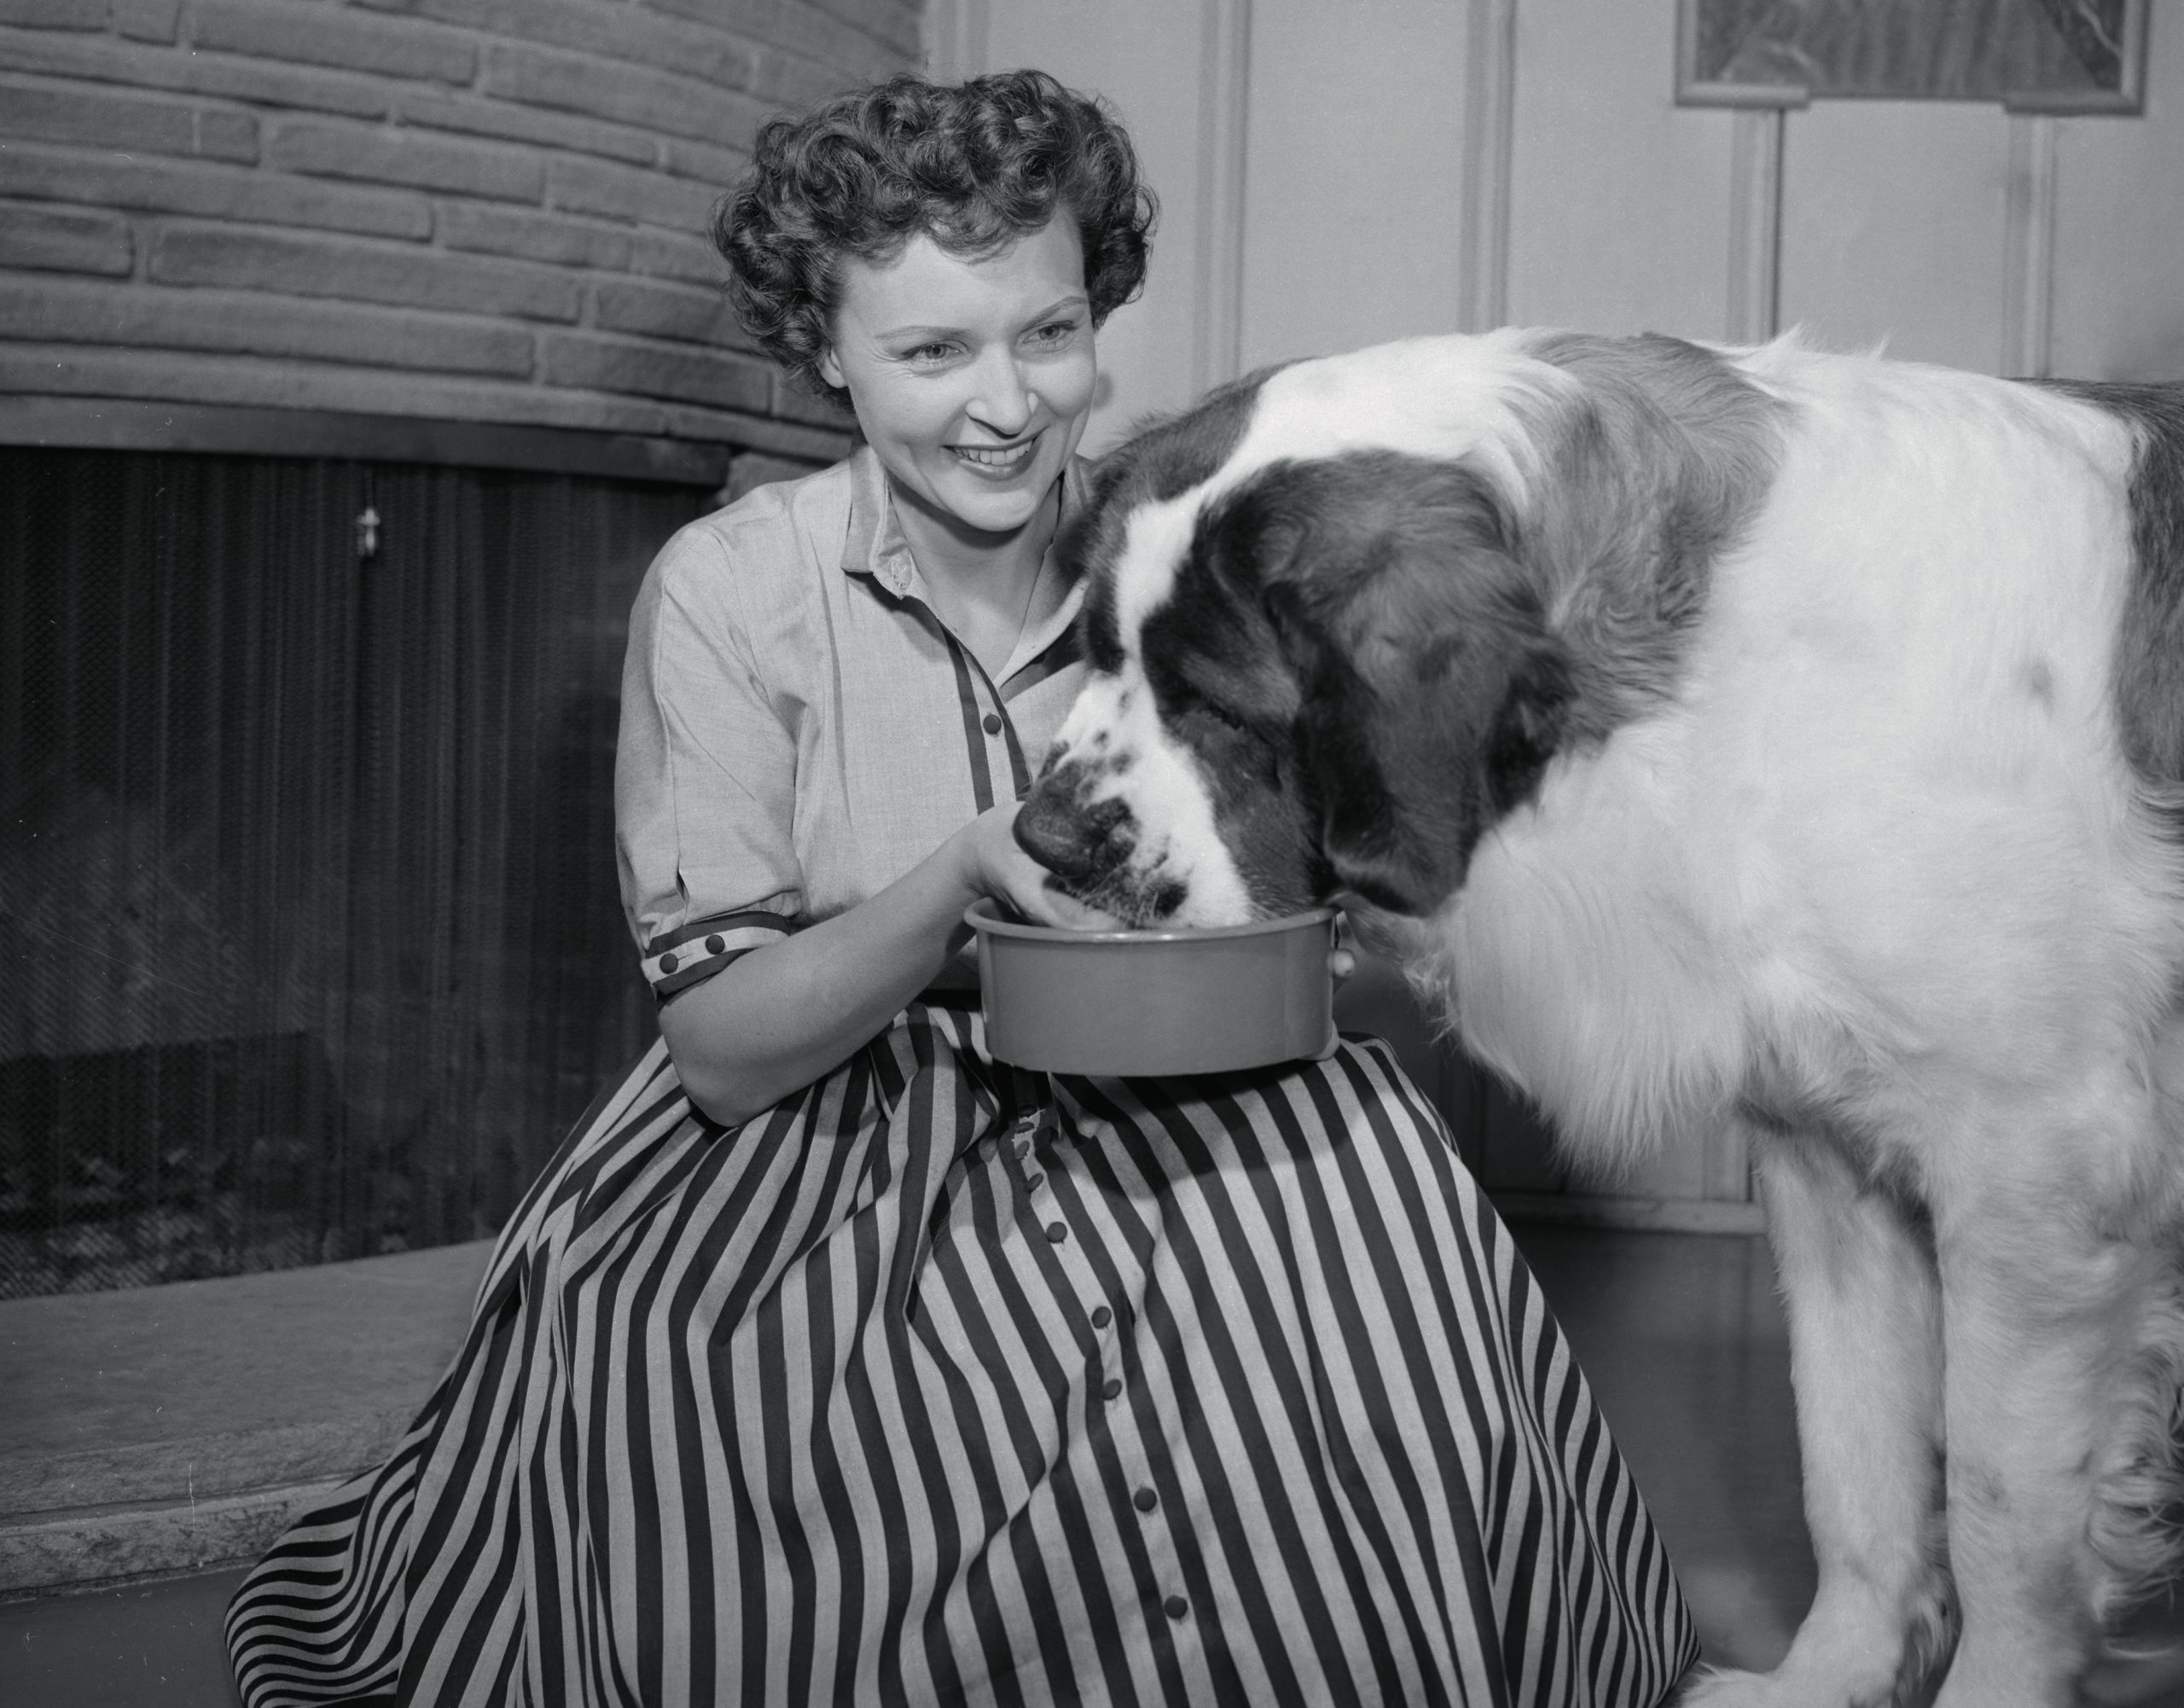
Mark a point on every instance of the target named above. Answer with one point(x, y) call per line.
point(1000, 458)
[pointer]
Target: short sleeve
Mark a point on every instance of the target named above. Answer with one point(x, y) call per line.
point(705, 776)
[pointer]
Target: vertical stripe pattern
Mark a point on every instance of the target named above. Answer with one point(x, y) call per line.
point(942, 1382)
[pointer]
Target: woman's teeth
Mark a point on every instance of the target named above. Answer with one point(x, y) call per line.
point(998, 457)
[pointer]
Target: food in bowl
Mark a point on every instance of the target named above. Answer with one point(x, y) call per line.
point(1145, 1003)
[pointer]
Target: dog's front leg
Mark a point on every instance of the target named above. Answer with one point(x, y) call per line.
point(1865, 1349)
point(2051, 1405)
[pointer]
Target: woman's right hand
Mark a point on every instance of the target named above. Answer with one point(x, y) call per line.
point(995, 864)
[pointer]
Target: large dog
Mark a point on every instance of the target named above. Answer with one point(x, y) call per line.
point(1749, 735)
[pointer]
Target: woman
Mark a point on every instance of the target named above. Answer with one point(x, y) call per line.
point(832, 1360)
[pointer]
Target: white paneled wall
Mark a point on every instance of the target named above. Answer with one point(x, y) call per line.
point(1893, 219)
point(2119, 278)
point(1618, 200)
point(1353, 176)
point(1335, 172)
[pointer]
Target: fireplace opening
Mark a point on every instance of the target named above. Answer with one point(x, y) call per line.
point(307, 898)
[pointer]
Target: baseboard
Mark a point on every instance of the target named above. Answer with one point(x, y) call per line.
point(1652, 1215)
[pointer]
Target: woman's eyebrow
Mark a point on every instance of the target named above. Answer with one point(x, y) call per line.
point(923, 329)
point(919, 330)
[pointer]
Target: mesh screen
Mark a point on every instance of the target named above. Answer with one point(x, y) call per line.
point(307, 903)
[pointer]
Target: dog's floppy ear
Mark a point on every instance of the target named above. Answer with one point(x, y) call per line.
point(1434, 696)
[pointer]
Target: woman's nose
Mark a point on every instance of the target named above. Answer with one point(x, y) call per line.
point(1002, 401)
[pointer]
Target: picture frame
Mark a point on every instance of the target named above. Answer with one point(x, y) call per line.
point(2055, 56)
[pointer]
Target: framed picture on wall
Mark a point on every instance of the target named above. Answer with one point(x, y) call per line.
point(2032, 56)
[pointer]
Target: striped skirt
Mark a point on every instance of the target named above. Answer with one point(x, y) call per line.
point(943, 1382)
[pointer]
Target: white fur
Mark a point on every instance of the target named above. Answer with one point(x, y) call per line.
point(1446, 398)
point(1879, 868)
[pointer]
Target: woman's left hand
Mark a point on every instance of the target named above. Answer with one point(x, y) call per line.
point(1000, 868)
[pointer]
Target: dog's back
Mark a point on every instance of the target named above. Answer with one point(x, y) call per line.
point(1895, 774)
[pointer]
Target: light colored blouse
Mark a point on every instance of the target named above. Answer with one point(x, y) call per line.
point(799, 728)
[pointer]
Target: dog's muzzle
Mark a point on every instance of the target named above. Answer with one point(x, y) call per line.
point(1082, 842)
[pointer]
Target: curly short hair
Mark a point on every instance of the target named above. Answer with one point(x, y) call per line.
point(972, 164)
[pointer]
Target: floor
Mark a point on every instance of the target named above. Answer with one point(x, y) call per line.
point(1682, 1336)
point(154, 1643)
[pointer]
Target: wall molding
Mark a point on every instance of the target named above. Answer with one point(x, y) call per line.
point(1652, 1215)
point(1755, 297)
point(1489, 113)
point(1224, 127)
point(2029, 249)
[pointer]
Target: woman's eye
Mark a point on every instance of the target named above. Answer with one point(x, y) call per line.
point(930, 352)
point(1055, 332)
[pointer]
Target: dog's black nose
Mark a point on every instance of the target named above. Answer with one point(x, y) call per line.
point(1072, 838)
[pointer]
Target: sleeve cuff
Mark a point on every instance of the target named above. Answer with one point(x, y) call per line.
point(690, 954)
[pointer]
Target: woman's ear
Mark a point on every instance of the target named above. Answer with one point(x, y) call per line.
point(830, 369)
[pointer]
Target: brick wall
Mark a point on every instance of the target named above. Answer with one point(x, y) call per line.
point(474, 210)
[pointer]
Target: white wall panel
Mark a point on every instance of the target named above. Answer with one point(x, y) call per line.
point(1353, 174)
point(1894, 216)
point(2118, 309)
point(1619, 204)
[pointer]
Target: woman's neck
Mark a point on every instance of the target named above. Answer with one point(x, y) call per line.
point(983, 565)
point(985, 586)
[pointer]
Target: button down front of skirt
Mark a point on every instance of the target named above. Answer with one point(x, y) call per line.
point(1021, 1287)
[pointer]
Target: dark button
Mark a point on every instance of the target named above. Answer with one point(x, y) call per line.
point(1145, 1500)
point(667, 963)
point(1174, 1606)
point(993, 723)
point(1113, 1390)
point(1056, 1232)
point(716, 943)
point(1102, 1317)
point(1036, 1182)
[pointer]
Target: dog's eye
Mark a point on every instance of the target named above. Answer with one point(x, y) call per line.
point(1246, 745)
point(1191, 702)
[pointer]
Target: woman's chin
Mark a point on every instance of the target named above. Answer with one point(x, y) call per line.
point(986, 507)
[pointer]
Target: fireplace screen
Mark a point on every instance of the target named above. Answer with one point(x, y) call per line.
point(307, 903)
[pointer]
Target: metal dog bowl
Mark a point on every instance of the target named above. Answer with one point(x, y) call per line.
point(1152, 1002)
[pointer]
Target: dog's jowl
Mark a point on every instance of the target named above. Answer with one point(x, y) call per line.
point(1735, 735)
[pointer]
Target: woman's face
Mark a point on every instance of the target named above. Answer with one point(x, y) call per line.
point(970, 377)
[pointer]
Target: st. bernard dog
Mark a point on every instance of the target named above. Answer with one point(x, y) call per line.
point(1751, 734)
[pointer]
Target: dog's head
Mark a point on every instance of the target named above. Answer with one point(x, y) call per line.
point(1342, 616)
point(1318, 660)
